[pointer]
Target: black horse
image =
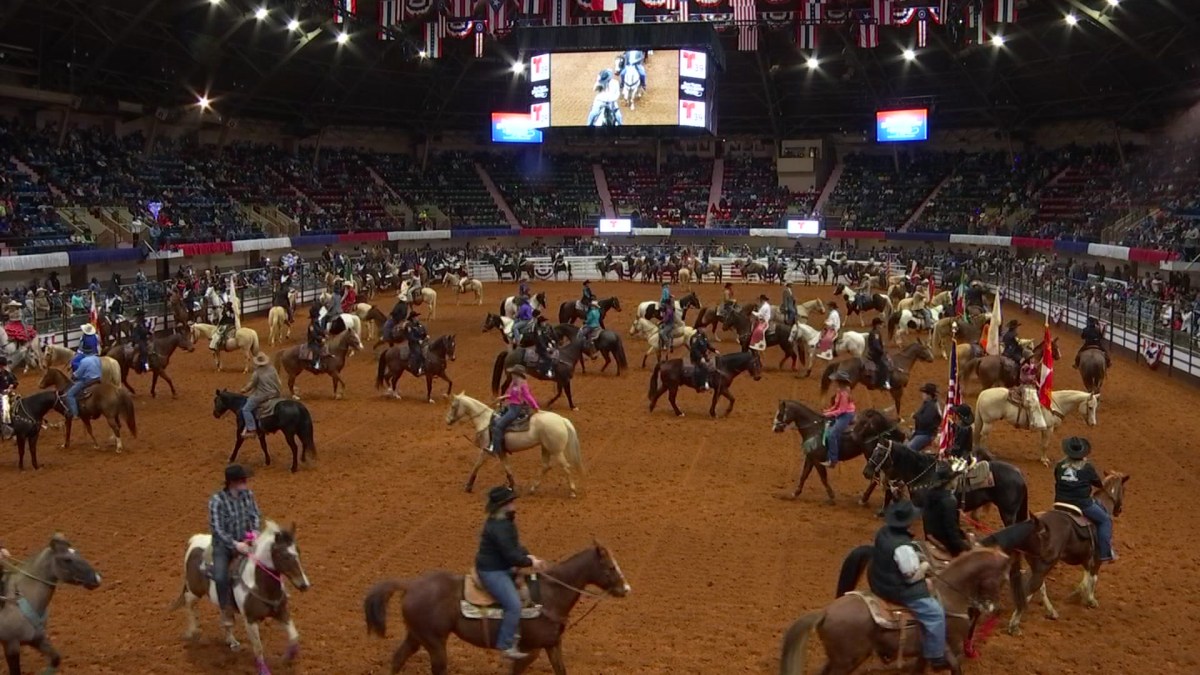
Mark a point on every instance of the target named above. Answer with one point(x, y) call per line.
point(563, 367)
point(568, 311)
point(867, 430)
point(616, 266)
point(777, 335)
point(26, 421)
point(290, 417)
point(894, 462)
point(729, 366)
point(608, 343)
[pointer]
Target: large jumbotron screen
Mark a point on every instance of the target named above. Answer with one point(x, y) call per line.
point(665, 87)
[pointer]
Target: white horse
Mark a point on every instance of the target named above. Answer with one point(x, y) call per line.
point(508, 306)
point(804, 339)
point(909, 316)
point(214, 300)
point(993, 405)
point(244, 339)
point(428, 295)
point(631, 85)
point(22, 355)
point(644, 307)
point(851, 342)
point(469, 285)
point(649, 330)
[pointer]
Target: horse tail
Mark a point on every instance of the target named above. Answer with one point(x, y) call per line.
point(306, 432)
point(379, 373)
point(619, 352)
point(654, 381)
point(125, 409)
point(498, 368)
point(852, 569)
point(795, 643)
point(892, 322)
point(376, 603)
point(825, 377)
point(574, 452)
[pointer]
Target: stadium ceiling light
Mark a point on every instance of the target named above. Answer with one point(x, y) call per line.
point(813, 62)
point(997, 40)
point(421, 53)
point(261, 13)
point(293, 25)
point(909, 55)
point(518, 67)
point(1114, 3)
point(214, 2)
point(1071, 19)
point(203, 102)
point(343, 38)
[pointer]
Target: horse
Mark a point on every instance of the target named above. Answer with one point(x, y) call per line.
point(280, 328)
point(650, 332)
point(668, 376)
point(778, 334)
point(98, 400)
point(30, 588)
point(1053, 536)
point(949, 329)
point(244, 339)
point(1093, 368)
point(851, 634)
point(290, 417)
point(504, 326)
point(712, 317)
point(26, 421)
point(859, 305)
point(428, 297)
point(258, 589)
point(867, 430)
point(508, 306)
point(110, 331)
point(902, 365)
point(60, 357)
point(432, 610)
point(651, 310)
point(23, 354)
point(608, 343)
point(563, 367)
point(803, 309)
point(902, 320)
point(616, 266)
point(339, 346)
point(394, 362)
point(894, 462)
point(804, 339)
point(553, 433)
point(703, 269)
point(161, 349)
point(569, 311)
point(469, 285)
point(631, 85)
point(993, 405)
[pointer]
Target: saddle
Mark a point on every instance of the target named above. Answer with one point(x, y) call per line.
point(267, 409)
point(306, 352)
point(88, 391)
point(477, 603)
point(1075, 513)
point(888, 615)
point(519, 424)
point(977, 476)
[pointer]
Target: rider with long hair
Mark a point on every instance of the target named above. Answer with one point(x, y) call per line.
point(1074, 480)
point(501, 552)
point(841, 414)
point(518, 400)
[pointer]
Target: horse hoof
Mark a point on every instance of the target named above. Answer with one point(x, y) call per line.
point(1091, 603)
point(235, 646)
point(1014, 630)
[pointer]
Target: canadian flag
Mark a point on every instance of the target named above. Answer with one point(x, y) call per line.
point(1046, 381)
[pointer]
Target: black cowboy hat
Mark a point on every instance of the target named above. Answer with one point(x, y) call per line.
point(236, 472)
point(943, 474)
point(964, 413)
point(1076, 447)
point(1013, 323)
point(901, 514)
point(877, 321)
point(3, 360)
point(499, 496)
point(929, 388)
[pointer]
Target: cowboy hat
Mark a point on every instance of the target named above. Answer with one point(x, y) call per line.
point(14, 303)
point(261, 359)
point(236, 472)
point(88, 329)
point(964, 413)
point(877, 321)
point(1076, 447)
point(929, 388)
point(1013, 323)
point(499, 496)
point(517, 370)
point(901, 514)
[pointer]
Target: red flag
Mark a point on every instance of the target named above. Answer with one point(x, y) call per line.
point(932, 288)
point(953, 398)
point(1046, 382)
point(983, 338)
point(94, 316)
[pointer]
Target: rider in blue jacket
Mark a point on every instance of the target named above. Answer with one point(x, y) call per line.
point(86, 373)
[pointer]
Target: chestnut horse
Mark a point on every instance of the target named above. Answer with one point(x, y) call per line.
point(431, 610)
point(161, 349)
point(394, 362)
point(98, 400)
point(289, 361)
point(902, 365)
point(668, 377)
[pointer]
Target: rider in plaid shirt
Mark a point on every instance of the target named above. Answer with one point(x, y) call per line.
point(232, 512)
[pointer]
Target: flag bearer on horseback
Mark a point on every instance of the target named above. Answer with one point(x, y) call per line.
point(141, 340)
point(962, 443)
point(591, 325)
point(699, 350)
point(225, 325)
point(500, 552)
point(1092, 337)
point(878, 355)
point(518, 400)
point(546, 344)
point(233, 518)
point(1011, 348)
point(1074, 479)
point(522, 322)
point(940, 513)
point(8, 389)
point(416, 335)
point(316, 336)
point(263, 386)
point(926, 420)
point(896, 574)
point(840, 413)
point(87, 372)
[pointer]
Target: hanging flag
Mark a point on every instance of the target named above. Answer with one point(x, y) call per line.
point(626, 12)
point(237, 304)
point(433, 32)
point(389, 16)
point(977, 24)
point(683, 9)
point(479, 43)
point(960, 300)
point(746, 18)
point(344, 8)
point(932, 287)
point(993, 331)
point(1046, 381)
point(560, 12)
point(882, 10)
point(867, 35)
point(94, 317)
point(923, 16)
point(953, 398)
point(1006, 11)
point(1151, 351)
point(497, 17)
point(807, 30)
point(533, 7)
point(984, 339)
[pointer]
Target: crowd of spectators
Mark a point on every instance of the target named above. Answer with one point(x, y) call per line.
point(673, 195)
point(553, 190)
point(986, 190)
point(752, 197)
point(880, 192)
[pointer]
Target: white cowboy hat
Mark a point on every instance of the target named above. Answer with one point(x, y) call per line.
point(88, 329)
point(14, 303)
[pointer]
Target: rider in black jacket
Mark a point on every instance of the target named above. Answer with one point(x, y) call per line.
point(926, 420)
point(1093, 337)
point(939, 514)
point(878, 355)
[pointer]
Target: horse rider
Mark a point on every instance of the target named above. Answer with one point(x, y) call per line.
point(316, 336)
point(142, 330)
point(233, 518)
point(518, 400)
point(349, 297)
point(665, 295)
point(89, 342)
point(396, 318)
point(280, 298)
point(521, 323)
point(762, 315)
point(727, 299)
point(1093, 337)
point(829, 334)
point(523, 289)
point(225, 324)
point(1010, 347)
point(787, 306)
point(591, 325)
point(698, 351)
point(940, 513)
point(334, 307)
point(416, 335)
point(919, 308)
point(415, 287)
point(87, 372)
point(896, 574)
point(878, 355)
point(113, 307)
point(962, 442)
point(500, 552)
point(1074, 479)
point(1030, 372)
point(637, 59)
point(608, 92)
point(546, 344)
point(841, 414)
point(973, 297)
point(926, 420)
point(666, 326)
point(263, 386)
point(8, 389)
point(588, 296)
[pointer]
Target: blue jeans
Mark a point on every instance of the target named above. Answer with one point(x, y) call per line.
point(502, 587)
point(220, 574)
point(933, 622)
point(510, 415)
point(1096, 513)
point(248, 413)
point(919, 442)
point(833, 442)
point(74, 390)
point(598, 110)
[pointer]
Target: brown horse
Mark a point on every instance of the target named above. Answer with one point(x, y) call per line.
point(394, 362)
point(562, 369)
point(290, 361)
point(99, 400)
point(851, 635)
point(1053, 536)
point(161, 349)
point(30, 588)
point(995, 370)
point(432, 611)
point(902, 365)
point(668, 377)
point(1093, 368)
point(712, 317)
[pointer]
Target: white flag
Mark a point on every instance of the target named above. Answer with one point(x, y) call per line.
point(993, 336)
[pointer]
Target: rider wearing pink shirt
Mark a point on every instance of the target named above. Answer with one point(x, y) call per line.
point(517, 399)
point(842, 413)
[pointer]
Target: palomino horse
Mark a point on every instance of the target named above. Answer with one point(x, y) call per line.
point(569, 311)
point(860, 305)
point(161, 349)
point(30, 588)
point(394, 362)
point(553, 433)
point(432, 611)
point(60, 357)
point(469, 285)
point(289, 361)
point(428, 297)
point(1093, 368)
point(1050, 537)
point(650, 332)
point(668, 376)
point(868, 429)
point(949, 329)
point(608, 343)
point(563, 367)
point(280, 328)
point(98, 400)
point(993, 405)
point(258, 591)
point(851, 635)
point(290, 417)
point(902, 365)
point(244, 339)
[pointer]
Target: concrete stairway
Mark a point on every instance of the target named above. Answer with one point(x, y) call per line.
point(827, 191)
point(716, 190)
point(928, 198)
point(497, 197)
point(606, 202)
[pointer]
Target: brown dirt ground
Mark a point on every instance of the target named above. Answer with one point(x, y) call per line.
point(571, 95)
point(719, 566)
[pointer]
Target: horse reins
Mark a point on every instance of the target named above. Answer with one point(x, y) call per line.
point(582, 591)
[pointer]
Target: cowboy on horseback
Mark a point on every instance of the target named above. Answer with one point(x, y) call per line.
point(316, 336)
point(940, 513)
point(397, 317)
point(1011, 348)
point(829, 334)
point(762, 315)
point(1093, 337)
point(113, 307)
point(962, 443)
point(926, 420)
point(233, 518)
point(225, 324)
point(878, 355)
point(518, 401)
point(280, 299)
point(587, 298)
point(8, 389)
point(333, 307)
point(546, 344)
point(416, 335)
point(699, 350)
point(141, 339)
point(787, 306)
point(896, 574)
point(522, 322)
point(841, 414)
point(89, 342)
point(1074, 479)
point(263, 386)
point(591, 325)
point(87, 372)
point(974, 296)
point(500, 552)
point(415, 287)
point(666, 326)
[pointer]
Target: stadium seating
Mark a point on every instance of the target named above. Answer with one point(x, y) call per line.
point(985, 191)
point(676, 196)
point(876, 194)
point(449, 185)
point(553, 191)
point(752, 197)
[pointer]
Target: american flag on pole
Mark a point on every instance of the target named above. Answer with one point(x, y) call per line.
point(807, 29)
point(497, 16)
point(433, 32)
point(389, 15)
point(1046, 379)
point(953, 398)
point(746, 17)
point(342, 8)
point(1006, 11)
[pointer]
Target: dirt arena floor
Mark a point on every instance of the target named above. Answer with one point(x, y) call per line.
point(573, 75)
point(719, 565)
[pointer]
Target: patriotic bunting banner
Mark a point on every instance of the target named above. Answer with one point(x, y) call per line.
point(389, 16)
point(1006, 11)
point(1153, 352)
point(746, 17)
point(413, 9)
point(883, 10)
point(433, 33)
point(867, 34)
point(342, 8)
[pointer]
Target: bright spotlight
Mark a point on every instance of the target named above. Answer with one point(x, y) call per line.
point(343, 38)
point(1114, 3)
point(1071, 19)
point(909, 55)
point(997, 40)
point(813, 62)
point(214, 2)
point(261, 13)
point(518, 67)
point(293, 25)
point(203, 102)
point(422, 53)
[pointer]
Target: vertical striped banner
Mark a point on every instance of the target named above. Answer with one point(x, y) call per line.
point(746, 18)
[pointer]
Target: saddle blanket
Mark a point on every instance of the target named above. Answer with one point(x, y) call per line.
point(494, 612)
point(477, 603)
point(19, 332)
point(519, 424)
point(977, 476)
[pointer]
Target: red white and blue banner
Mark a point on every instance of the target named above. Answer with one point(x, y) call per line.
point(497, 16)
point(342, 8)
point(433, 32)
point(389, 16)
point(745, 15)
point(1006, 11)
